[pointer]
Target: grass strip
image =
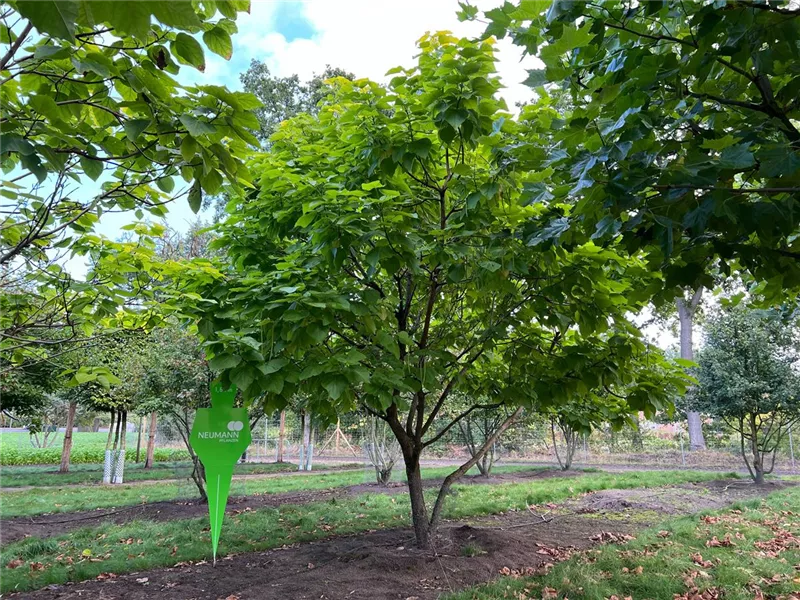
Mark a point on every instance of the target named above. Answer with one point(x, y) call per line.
point(59, 500)
point(48, 475)
point(137, 546)
point(751, 550)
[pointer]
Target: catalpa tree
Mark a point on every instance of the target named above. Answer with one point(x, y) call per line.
point(392, 256)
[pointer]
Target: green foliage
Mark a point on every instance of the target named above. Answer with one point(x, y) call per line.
point(681, 136)
point(94, 121)
point(400, 256)
point(746, 364)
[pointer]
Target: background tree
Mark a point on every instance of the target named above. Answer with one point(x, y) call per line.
point(402, 261)
point(748, 377)
point(284, 97)
point(381, 448)
point(476, 428)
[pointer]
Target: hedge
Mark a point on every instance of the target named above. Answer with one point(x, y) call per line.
point(88, 448)
point(20, 455)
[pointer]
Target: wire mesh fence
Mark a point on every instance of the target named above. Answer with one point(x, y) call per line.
point(347, 442)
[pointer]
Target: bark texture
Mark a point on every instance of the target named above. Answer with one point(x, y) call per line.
point(67, 448)
point(686, 312)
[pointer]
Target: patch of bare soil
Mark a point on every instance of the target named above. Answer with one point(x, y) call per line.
point(43, 526)
point(384, 564)
point(675, 500)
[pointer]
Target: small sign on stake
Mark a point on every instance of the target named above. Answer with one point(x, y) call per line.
point(219, 437)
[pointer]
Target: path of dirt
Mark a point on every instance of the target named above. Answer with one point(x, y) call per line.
point(43, 526)
point(383, 564)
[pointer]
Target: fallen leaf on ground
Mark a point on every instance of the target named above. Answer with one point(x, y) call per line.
point(608, 537)
point(697, 559)
point(714, 542)
point(17, 562)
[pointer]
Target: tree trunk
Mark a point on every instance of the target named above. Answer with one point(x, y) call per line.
point(67, 448)
point(686, 312)
point(116, 431)
point(199, 477)
point(139, 437)
point(555, 445)
point(758, 456)
point(281, 437)
point(110, 431)
point(419, 512)
point(119, 463)
point(436, 514)
point(305, 458)
point(151, 442)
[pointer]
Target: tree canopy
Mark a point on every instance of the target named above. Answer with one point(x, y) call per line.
point(95, 121)
point(682, 133)
point(392, 256)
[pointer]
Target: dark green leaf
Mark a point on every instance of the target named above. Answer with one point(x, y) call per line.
point(195, 126)
point(134, 128)
point(51, 17)
point(536, 78)
point(736, 157)
point(224, 361)
point(179, 14)
point(14, 143)
point(195, 197)
point(420, 147)
point(93, 168)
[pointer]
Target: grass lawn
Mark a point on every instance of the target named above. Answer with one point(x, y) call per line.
point(740, 553)
point(50, 499)
point(48, 475)
point(85, 553)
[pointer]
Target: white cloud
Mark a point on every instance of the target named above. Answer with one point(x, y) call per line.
point(367, 38)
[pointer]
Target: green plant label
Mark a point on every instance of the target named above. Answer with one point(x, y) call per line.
point(219, 437)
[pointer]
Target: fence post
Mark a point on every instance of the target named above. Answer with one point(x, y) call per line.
point(266, 430)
